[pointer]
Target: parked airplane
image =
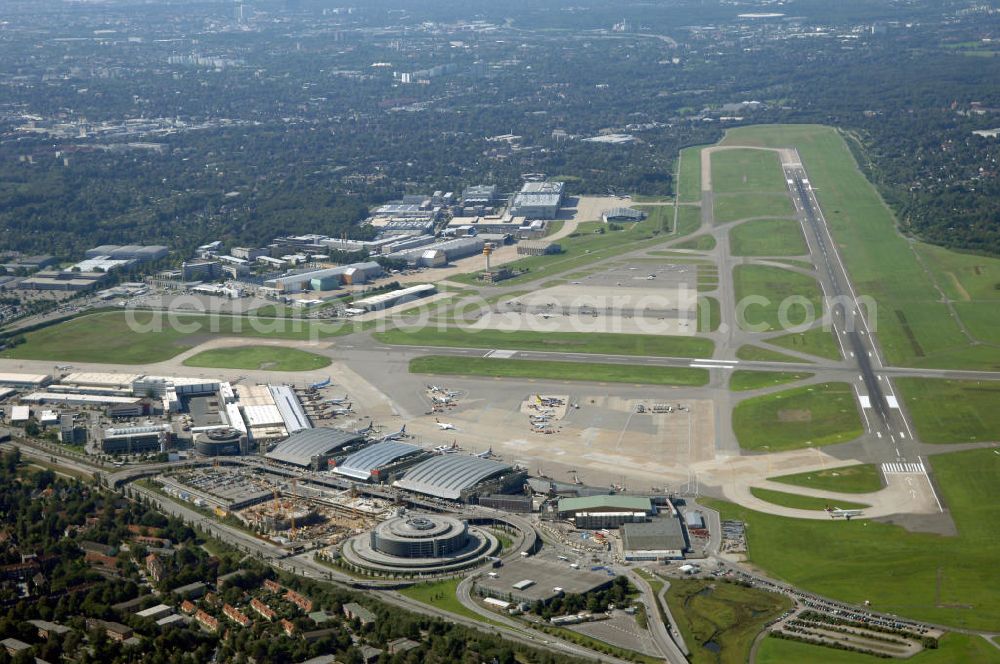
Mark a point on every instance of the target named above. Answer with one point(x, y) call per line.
point(487, 454)
point(337, 402)
point(836, 512)
point(321, 384)
point(396, 435)
point(445, 426)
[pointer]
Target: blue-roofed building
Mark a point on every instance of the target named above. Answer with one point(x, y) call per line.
point(461, 477)
point(381, 462)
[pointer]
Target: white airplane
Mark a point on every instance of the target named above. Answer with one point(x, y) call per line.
point(487, 454)
point(397, 435)
point(836, 512)
point(337, 402)
point(63, 367)
point(446, 426)
point(433, 388)
point(541, 425)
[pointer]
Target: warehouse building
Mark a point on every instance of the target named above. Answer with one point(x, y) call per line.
point(313, 448)
point(392, 298)
point(24, 380)
point(622, 214)
point(131, 252)
point(460, 477)
point(326, 279)
point(659, 539)
point(537, 248)
point(381, 462)
point(605, 511)
point(440, 254)
point(538, 200)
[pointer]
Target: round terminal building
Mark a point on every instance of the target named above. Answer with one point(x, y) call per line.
point(419, 544)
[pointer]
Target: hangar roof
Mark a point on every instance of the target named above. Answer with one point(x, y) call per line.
point(447, 475)
point(301, 447)
point(361, 464)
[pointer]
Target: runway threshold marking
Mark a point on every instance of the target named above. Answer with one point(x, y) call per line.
point(900, 468)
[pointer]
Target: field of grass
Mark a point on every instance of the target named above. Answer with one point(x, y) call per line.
point(441, 595)
point(688, 220)
point(576, 342)
point(270, 358)
point(109, 337)
point(733, 207)
point(752, 353)
point(747, 172)
point(556, 371)
point(659, 217)
point(952, 411)
point(796, 501)
point(743, 380)
point(709, 315)
point(726, 615)
point(913, 327)
point(814, 341)
point(689, 175)
point(952, 649)
point(811, 415)
point(777, 286)
point(918, 575)
point(861, 478)
point(700, 243)
point(768, 237)
point(963, 277)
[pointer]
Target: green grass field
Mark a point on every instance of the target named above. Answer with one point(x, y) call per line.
point(742, 380)
point(659, 217)
point(700, 243)
point(270, 358)
point(441, 595)
point(752, 353)
point(799, 502)
point(952, 411)
point(109, 337)
point(734, 207)
point(923, 576)
point(709, 315)
point(576, 342)
point(747, 172)
point(557, 371)
point(727, 615)
point(814, 415)
point(814, 341)
point(913, 327)
point(778, 286)
point(689, 175)
point(861, 478)
point(768, 237)
point(952, 649)
point(688, 220)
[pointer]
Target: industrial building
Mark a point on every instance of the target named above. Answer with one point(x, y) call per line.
point(313, 448)
point(326, 279)
point(537, 248)
point(660, 539)
point(136, 440)
point(392, 298)
point(536, 580)
point(441, 253)
point(538, 200)
point(460, 477)
point(482, 194)
point(605, 511)
point(622, 214)
point(24, 380)
point(63, 280)
point(381, 462)
point(131, 252)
